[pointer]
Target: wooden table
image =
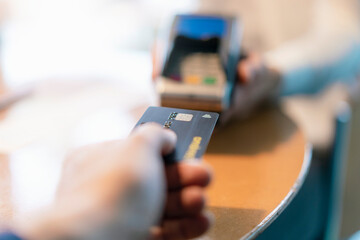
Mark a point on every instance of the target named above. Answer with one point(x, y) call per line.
point(259, 166)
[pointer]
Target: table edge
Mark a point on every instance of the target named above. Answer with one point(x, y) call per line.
point(289, 197)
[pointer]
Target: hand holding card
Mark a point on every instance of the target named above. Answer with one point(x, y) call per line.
point(193, 130)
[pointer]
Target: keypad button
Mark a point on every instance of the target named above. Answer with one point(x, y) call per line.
point(176, 78)
point(210, 80)
point(194, 79)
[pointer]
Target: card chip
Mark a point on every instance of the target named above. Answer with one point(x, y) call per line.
point(184, 117)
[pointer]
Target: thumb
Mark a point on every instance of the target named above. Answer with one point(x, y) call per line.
point(155, 137)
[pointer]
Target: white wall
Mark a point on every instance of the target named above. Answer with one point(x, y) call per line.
point(43, 38)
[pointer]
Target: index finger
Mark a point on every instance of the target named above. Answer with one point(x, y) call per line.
point(185, 174)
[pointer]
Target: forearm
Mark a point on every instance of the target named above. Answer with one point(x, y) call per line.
point(329, 52)
point(310, 79)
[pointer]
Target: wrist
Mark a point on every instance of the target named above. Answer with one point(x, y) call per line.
point(276, 78)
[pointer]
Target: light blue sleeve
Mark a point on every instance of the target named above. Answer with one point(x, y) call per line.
point(9, 236)
point(310, 79)
point(356, 236)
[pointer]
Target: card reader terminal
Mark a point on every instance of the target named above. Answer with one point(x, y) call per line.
point(200, 65)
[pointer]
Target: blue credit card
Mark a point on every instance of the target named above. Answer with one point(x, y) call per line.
point(193, 130)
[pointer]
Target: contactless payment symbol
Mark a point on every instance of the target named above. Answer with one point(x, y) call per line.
point(208, 116)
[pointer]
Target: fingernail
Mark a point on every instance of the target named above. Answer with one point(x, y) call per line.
point(171, 132)
point(193, 161)
point(211, 217)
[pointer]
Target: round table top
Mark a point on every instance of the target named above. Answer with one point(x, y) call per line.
point(259, 164)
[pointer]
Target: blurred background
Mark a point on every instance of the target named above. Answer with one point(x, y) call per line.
point(112, 40)
point(81, 38)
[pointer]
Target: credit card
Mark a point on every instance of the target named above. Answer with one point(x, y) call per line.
point(193, 130)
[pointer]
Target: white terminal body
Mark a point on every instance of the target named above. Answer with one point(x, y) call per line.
point(203, 77)
point(200, 79)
